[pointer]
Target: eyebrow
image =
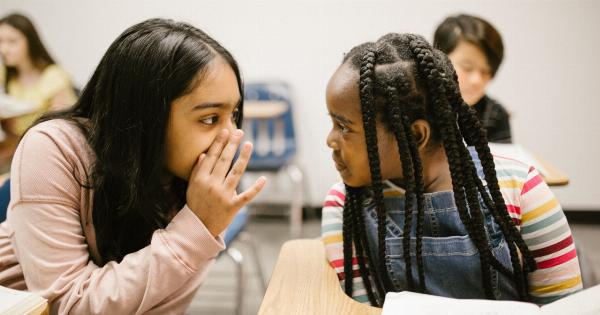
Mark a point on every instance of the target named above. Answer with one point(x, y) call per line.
point(341, 118)
point(213, 105)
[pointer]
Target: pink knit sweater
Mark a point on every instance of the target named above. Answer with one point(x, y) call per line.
point(48, 245)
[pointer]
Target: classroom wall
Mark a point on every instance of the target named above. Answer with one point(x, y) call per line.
point(548, 81)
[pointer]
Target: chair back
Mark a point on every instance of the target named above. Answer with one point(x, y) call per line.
point(269, 124)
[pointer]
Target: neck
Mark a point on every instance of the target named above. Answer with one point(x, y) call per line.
point(436, 170)
point(27, 70)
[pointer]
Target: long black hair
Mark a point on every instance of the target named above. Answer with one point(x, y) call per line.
point(402, 79)
point(37, 52)
point(124, 111)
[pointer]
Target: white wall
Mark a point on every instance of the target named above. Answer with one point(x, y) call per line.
point(548, 81)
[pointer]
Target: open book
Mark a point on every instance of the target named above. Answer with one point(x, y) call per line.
point(11, 107)
point(13, 302)
point(586, 302)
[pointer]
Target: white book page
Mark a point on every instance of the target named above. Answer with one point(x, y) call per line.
point(416, 303)
point(586, 302)
point(9, 298)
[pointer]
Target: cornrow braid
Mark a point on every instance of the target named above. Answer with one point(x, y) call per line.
point(409, 181)
point(404, 90)
point(462, 186)
point(361, 246)
point(347, 237)
point(420, 190)
point(475, 135)
point(498, 210)
point(366, 85)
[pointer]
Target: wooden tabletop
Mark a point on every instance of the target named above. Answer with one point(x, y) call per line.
point(553, 176)
point(304, 283)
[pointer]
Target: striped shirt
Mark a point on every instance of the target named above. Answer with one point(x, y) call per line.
point(532, 206)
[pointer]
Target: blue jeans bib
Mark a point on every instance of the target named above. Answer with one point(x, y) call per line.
point(450, 258)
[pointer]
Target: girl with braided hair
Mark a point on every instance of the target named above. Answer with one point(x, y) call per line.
point(424, 206)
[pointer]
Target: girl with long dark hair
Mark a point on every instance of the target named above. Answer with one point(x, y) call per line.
point(117, 204)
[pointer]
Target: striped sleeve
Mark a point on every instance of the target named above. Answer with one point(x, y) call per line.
point(546, 232)
point(331, 231)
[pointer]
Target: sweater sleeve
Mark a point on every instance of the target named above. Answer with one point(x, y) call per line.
point(52, 248)
point(546, 232)
point(332, 228)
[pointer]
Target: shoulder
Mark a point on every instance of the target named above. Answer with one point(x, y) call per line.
point(51, 160)
point(56, 132)
point(54, 77)
point(333, 208)
point(332, 220)
point(335, 196)
point(507, 167)
point(54, 71)
point(496, 107)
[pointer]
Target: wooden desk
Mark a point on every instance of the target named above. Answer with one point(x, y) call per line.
point(552, 175)
point(304, 283)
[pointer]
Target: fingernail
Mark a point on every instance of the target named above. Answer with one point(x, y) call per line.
point(238, 133)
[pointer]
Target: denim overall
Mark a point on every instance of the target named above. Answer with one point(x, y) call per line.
point(450, 259)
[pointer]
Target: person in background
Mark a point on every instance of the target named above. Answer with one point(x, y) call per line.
point(476, 50)
point(29, 74)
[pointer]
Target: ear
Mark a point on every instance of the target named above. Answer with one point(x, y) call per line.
point(421, 130)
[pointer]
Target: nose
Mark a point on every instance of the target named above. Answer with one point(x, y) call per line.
point(331, 140)
point(476, 78)
point(230, 125)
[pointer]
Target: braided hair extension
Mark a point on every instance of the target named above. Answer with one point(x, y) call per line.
point(366, 86)
point(354, 233)
point(420, 190)
point(406, 157)
point(469, 124)
point(475, 135)
point(419, 184)
point(402, 79)
point(404, 90)
point(362, 245)
point(347, 237)
point(502, 217)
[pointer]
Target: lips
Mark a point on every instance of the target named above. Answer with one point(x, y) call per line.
point(338, 165)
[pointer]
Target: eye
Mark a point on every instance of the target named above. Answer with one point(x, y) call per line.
point(235, 115)
point(466, 68)
point(210, 120)
point(343, 128)
point(486, 73)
